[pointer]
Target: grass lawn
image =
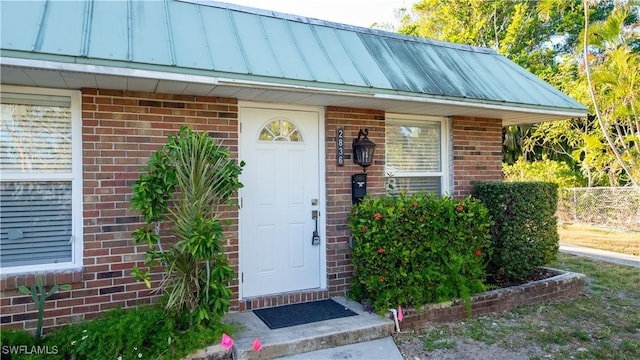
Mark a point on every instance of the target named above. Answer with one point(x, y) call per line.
point(602, 323)
point(626, 242)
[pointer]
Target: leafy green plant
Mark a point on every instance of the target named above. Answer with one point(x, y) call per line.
point(188, 184)
point(142, 333)
point(39, 295)
point(411, 250)
point(13, 339)
point(524, 233)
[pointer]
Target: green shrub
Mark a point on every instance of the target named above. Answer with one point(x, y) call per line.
point(145, 333)
point(546, 170)
point(13, 339)
point(418, 249)
point(524, 234)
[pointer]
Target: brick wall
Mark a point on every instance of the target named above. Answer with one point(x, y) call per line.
point(120, 130)
point(339, 267)
point(562, 285)
point(477, 152)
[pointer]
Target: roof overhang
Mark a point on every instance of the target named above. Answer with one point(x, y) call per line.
point(73, 75)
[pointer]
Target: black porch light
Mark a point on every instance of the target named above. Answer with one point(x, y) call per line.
point(363, 149)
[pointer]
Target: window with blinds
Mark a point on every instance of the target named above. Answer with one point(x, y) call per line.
point(36, 222)
point(414, 155)
point(39, 181)
point(35, 137)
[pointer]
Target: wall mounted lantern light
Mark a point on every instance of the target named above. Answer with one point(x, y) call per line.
point(363, 150)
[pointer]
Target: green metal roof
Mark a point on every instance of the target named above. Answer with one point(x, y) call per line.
point(219, 39)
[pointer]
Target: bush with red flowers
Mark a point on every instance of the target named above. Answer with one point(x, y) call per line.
point(415, 249)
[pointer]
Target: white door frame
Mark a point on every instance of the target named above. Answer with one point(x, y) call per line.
point(322, 184)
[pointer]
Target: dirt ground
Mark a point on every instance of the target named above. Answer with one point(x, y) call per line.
point(601, 323)
point(412, 347)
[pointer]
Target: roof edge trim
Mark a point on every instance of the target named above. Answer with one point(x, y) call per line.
point(222, 81)
point(492, 106)
point(107, 70)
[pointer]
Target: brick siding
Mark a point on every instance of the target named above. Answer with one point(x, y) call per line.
point(339, 266)
point(477, 152)
point(564, 284)
point(121, 129)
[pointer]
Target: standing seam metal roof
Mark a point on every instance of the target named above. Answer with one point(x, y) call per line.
point(219, 39)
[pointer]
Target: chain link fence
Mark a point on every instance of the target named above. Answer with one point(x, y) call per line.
point(601, 206)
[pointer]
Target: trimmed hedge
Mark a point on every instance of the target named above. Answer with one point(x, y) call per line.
point(411, 250)
point(524, 234)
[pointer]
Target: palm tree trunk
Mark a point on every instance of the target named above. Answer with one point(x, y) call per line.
point(592, 92)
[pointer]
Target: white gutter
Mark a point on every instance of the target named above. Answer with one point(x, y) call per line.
point(481, 105)
point(289, 87)
point(161, 75)
point(108, 70)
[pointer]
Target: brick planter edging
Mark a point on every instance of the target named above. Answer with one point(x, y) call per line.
point(563, 284)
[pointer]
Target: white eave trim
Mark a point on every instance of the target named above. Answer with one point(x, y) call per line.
point(289, 87)
point(479, 105)
point(222, 81)
point(108, 70)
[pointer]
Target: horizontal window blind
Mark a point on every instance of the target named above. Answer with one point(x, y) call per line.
point(36, 222)
point(35, 137)
point(396, 185)
point(35, 99)
point(413, 146)
point(414, 155)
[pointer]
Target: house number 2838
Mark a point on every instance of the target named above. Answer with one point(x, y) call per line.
point(340, 143)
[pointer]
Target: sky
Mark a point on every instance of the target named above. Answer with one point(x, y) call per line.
point(353, 12)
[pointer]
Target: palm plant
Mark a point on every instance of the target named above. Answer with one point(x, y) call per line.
point(195, 179)
point(611, 77)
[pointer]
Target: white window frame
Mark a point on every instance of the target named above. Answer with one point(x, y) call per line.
point(75, 176)
point(445, 146)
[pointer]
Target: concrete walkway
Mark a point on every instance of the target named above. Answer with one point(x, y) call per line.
point(610, 256)
point(366, 336)
point(383, 349)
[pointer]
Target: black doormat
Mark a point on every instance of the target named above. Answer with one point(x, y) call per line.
point(304, 313)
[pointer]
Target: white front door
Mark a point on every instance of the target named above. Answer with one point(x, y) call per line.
point(281, 189)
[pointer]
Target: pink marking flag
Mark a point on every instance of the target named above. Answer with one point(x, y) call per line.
point(227, 342)
point(257, 345)
point(400, 315)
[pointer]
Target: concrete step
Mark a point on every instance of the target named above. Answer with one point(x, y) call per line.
point(380, 349)
point(302, 338)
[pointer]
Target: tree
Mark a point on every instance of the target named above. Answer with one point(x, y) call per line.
point(544, 36)
point(531, 33)
point(613, 87)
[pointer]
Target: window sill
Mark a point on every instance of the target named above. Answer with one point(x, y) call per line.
point(50, 277)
